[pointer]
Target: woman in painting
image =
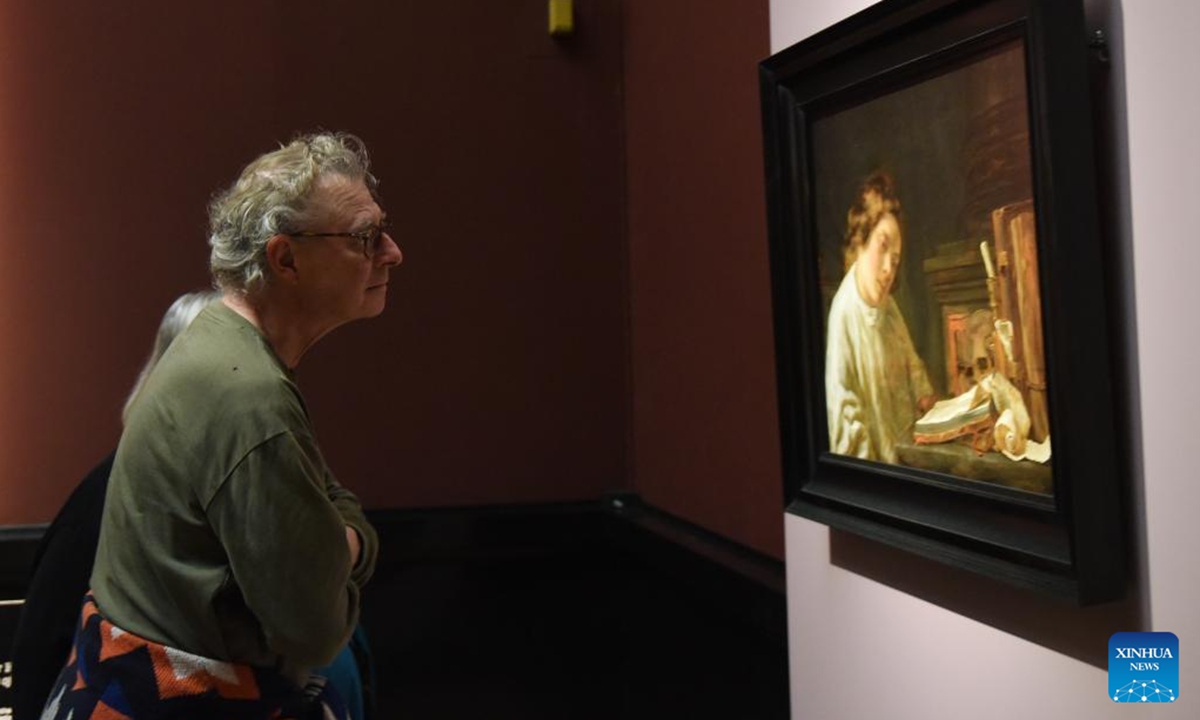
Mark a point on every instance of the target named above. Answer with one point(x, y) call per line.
point(875, 385)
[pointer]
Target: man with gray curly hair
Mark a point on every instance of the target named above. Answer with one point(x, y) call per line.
point(228, 550)
point(257, 229)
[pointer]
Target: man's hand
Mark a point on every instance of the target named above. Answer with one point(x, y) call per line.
point(355, 545)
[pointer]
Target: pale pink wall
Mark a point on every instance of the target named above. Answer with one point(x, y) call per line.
point(1164, 150)
point(862, 648)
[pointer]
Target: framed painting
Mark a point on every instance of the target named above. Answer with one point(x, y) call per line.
point(939, 292)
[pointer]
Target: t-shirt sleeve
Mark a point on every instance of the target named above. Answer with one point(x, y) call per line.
point(285, 541)
point(350, 509)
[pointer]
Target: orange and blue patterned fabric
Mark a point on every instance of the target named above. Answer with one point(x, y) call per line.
point(113, 674)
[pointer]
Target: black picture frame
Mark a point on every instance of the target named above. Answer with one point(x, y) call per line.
point(1067, 541)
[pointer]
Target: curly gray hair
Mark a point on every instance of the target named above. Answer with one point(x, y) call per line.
point(273, 196)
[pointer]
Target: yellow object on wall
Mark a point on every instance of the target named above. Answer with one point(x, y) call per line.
point(562, 17)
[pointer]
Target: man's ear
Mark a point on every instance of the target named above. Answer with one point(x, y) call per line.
point(281, 259)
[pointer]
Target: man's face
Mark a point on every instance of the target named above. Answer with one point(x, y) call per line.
point(338, 282)
point(879, 261)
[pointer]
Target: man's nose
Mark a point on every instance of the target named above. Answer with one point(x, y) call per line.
point(389, 254)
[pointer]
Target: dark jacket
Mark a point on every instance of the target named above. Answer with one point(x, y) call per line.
point(62, 568)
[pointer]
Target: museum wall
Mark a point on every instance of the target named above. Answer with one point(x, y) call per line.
point(499, 372)
point(874, 632)
point(705, 441)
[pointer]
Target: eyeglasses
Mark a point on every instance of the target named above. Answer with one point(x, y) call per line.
point(370, 238)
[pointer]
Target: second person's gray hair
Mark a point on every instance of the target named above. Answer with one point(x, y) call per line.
point(181, 314)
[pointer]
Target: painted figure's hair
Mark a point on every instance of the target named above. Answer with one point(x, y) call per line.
point(272, 196)
point(876, 198)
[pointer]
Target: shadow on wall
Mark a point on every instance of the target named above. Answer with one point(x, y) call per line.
point(1059, 625)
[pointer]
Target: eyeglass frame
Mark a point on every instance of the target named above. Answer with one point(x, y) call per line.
point(369, 237)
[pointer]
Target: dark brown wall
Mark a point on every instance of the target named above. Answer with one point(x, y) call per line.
point(499, 373)
point(704, 418)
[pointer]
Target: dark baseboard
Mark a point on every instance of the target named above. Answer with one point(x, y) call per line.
point(18, 545)
point(743, 585)
point(592, 610)
point(611, 608)
point(482, 533)
point(730, 578)
point(727, 578)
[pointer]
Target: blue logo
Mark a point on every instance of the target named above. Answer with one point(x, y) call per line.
point(1143, 667)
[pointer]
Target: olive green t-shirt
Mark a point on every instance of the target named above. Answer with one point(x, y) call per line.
point(223, 531)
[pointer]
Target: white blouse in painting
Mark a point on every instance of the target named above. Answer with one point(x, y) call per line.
point(873, 376)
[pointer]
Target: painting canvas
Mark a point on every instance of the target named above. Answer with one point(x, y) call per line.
point(926, 231)
point(939, 289)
